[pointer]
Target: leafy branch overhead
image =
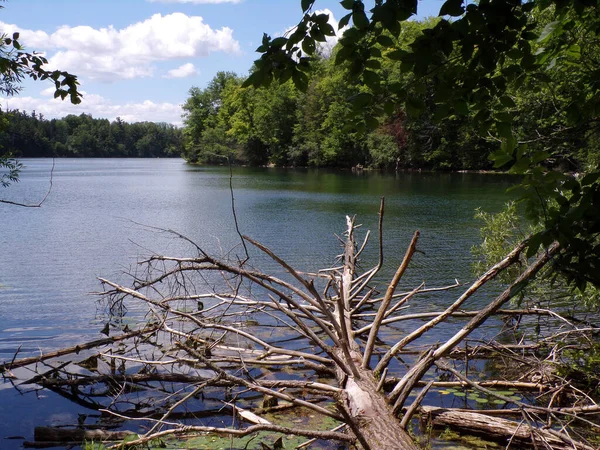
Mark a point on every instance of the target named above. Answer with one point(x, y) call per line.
point(489, 62)
point(16, 64)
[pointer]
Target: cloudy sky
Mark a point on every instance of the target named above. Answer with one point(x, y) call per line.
point(137, 59)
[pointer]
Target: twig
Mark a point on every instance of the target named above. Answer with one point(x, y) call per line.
point(387, 299)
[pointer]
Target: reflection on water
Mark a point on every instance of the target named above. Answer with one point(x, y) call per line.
point(97, 221)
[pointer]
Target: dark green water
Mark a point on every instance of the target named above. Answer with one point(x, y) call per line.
point(95, 223)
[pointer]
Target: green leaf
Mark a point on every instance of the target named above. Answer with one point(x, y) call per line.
point(452, 8)
point(255, 79)
point(372, 123)
point(316, 34)
point(406, 65)
point(389, 108)
point(327, 29)
point(573, 114)
point(308, 46)
point(441, 112)
point(533, 245)
point(347, 4)
point(373, 64)
point(548, 30)
point(590, 178)
point(300, 80)
point(362, 99)
point(278, 42)
point(414, 106)
point(515, 53)
point(344, 21)
point(503, 116)
point(306, 4)
point(507, 101)
point(396, 55)
point(515, 290)
point(385, 41)
point(398, 88)
point(371, 79)
point(375, 52)
point(461, 107)
point(360, 19)
point(500, 158)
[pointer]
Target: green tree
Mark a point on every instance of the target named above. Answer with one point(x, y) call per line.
point(474, 57)
point(16, 64)
point(200, 113)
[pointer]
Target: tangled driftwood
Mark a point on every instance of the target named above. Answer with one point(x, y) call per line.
point(210, 328)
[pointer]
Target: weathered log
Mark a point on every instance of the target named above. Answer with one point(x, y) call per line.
point(517, 434)
point(75, 349)
point(53, 434)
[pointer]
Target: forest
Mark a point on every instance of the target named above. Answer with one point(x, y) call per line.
point(330, 122)
point(32, 135)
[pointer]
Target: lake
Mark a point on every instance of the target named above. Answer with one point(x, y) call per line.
point(104, 214)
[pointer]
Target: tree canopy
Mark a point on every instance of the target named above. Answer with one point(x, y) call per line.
point(523, 73)
point(31, 135)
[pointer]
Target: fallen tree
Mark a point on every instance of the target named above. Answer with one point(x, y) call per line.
point(319, 342)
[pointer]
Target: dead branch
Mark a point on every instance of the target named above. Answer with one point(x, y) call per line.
point(296, 338)
point(403, 388)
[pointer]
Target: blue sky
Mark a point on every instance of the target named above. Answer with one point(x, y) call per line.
point(137, 59)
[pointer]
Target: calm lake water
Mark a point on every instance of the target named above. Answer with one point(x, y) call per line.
point(97, 222)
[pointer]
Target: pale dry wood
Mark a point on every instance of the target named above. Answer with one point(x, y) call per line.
point(489, 275)
point(387, 299)
point(367, 408)
point(518, 434)
point(403, 388)
point(325, 322)
point(412, 409)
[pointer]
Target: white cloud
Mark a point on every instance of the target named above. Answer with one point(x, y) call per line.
point(108, 54)
point(49, 91)
point(98, 107)
point(196, 2)
point(324, 48)
point(186, 70)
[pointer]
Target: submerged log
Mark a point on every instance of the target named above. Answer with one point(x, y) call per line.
point(75, 349)
point(507, 432)
point(53, 434)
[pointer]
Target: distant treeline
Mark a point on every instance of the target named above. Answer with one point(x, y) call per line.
point(31, 135)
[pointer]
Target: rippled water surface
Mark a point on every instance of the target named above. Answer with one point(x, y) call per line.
point(97, 221)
